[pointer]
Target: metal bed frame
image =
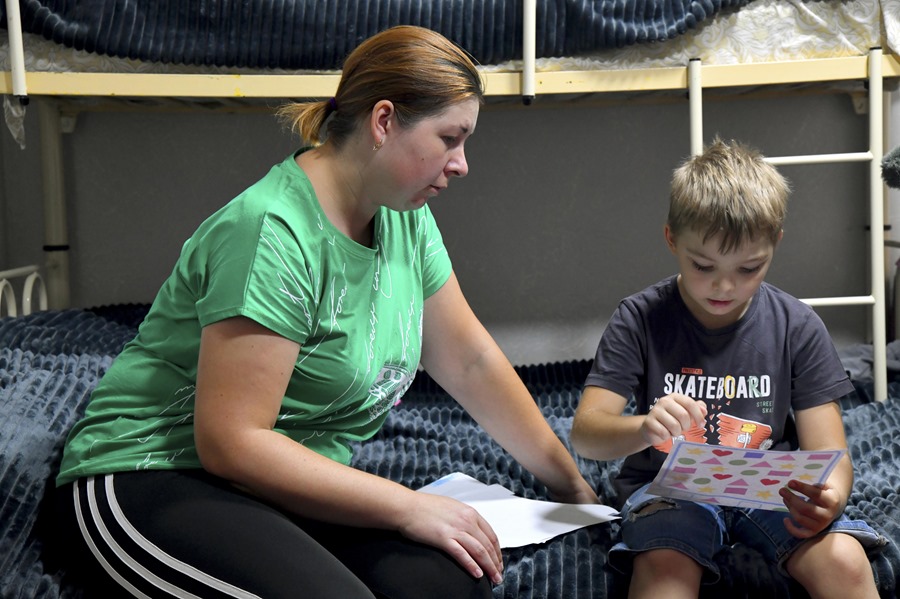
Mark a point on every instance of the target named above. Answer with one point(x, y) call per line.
point(527, 83)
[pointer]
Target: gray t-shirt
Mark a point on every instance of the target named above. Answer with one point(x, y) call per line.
point(777, 358)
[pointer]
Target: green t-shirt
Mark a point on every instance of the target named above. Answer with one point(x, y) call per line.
point(272, 255)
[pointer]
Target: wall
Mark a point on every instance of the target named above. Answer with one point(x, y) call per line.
point(892, 198)
point(560, 216)
point(21, 229)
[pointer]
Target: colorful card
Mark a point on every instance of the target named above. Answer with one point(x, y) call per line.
point(738, 477)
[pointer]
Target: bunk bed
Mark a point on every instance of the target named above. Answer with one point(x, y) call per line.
point(82, 56)
point(55, 56)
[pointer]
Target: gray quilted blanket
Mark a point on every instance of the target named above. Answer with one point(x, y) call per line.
point(318, 34)
point(49, 362)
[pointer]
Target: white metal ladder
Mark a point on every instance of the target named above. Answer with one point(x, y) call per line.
point(873, 157)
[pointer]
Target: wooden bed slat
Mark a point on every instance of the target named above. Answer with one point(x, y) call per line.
point(499, 83)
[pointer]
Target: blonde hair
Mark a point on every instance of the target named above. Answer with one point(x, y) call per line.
point(420, 71)
point(728, 189)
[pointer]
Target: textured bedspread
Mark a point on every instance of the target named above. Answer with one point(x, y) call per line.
point(49, 362)
point(436, 437)
point(318, 34)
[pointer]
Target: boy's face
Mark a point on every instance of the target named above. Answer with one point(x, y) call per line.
point(717, 287)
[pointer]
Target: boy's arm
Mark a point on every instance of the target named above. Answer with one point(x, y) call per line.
point(816, 507)
point(601, 432)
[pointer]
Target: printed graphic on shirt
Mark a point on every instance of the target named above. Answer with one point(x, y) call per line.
point(693, 383)
point(722, 395)
point(695, 434)
point(170, 420)
point(389, 386)
point(737, 432)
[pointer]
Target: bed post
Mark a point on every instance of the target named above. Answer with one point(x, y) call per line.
point(876, 223)
point(529, 31)
point(16, 51)
point(56, 243)
point(695, 100)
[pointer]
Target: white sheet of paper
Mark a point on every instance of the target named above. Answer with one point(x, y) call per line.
point(738, 476)
point(518, 521)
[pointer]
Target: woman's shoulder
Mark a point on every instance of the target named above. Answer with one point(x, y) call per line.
point(283, 194)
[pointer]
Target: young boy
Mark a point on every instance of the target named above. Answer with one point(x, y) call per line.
point(716, 355)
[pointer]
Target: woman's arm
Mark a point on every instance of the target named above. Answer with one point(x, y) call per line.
point(242, 376)
point(462, 357)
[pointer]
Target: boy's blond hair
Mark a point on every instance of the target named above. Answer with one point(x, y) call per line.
point(728, 189)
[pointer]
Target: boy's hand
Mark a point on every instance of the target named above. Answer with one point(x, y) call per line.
point(672, 416)
point(812, 507)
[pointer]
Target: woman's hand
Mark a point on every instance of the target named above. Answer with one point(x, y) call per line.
point(812, 507)
point(672, 416)
point(459, 530)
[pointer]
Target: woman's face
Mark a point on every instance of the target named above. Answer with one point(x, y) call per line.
point(421, 159)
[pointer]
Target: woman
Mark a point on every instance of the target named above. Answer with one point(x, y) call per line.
point(213, 457)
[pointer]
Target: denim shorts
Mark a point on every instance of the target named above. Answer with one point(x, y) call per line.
point(701, 530)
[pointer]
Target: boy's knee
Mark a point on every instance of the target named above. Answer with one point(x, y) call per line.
point(667, 565)
point(833, 561)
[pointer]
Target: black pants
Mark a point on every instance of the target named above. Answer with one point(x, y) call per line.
point(187, 533)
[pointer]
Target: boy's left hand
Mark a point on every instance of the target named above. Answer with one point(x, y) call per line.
point(812, 507)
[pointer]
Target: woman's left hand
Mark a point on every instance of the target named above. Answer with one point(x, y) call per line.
point(812, 507)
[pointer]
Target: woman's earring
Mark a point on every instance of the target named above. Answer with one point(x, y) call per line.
point(378, 145)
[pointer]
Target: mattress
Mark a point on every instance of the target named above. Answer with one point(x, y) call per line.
point(568, 37)
point(318, 34)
